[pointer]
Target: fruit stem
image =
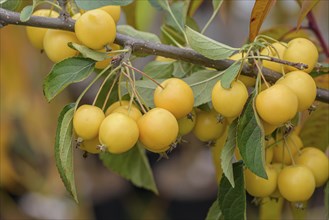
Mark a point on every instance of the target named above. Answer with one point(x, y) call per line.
point(109, 93)
point(289, 152)
point(144, 74)
point(135, 93)
point(100, 88)
point(88, 87)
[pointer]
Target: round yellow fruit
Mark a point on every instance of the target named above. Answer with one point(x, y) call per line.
point(95, 29)
point(91, 146)
point(176, 96)
point(55, 44)
point(114, 11)
point(317, 162)
point(292, 143)
point(133, 112)
point(301, 50)
point(258, 186)
point(276, 50)
point(86, 121)
point(277, 104)
point(36, 34)
point(158, 129)
point(303, 85)
point(207, 126)
point(118, 133)
point(229, 102)
point(115, 105)
point(296, 183)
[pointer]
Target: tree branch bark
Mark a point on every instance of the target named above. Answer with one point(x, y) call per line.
point(145, 47)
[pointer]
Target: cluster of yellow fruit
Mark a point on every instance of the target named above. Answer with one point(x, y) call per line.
point(95, 29)
point(293, 171)
point(276, 105)
point(123, 124)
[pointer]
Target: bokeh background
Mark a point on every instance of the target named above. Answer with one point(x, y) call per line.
point(30, 186)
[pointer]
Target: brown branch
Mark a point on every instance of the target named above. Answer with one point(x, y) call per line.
point(144, 47)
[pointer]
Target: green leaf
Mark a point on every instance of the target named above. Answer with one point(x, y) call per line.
point(132, 165)
point(159, 69)
point(182, 69)
point(214, 212)
point(179, 10)
point(259, 12)
point(306, 7)
point(132, 32)
point(174, 35)
point(64, 150)
point(64, 73)
point(317, 121)
point(89, 53)
point(216, 4)
point(146, 89)
point(202, 83)
point(88, 5)
point(230, 75)
point(228, 152)
point(208, 47)
point(26, 13)
point(11, 5)
point(194, 6)
point(155, 4)
point(232, 201)
point(321, 70)
point(104, 91)
point(250, 139)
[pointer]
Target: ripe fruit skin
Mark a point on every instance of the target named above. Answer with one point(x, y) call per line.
point(158, 129)
point(90, 146)
point(177, 97)
point(278, 53)
point(186, 124)
point(277, 104)
point(95, 29)
point(55, 45)
point(258, 186)
point(104, 63)
point(36, 34)
point(246, 80)
point(301, 50)
point(317, 162)
point(207, 126)
point(132, 112)
point(269, 150)
point(115, 105)
point(280, 150)
point(303, 85)
point(268, 128)
point(118, 132)
point(229, 102)
point(114, 11)
point(296, 183)
point(86, 121)
point(278, 167)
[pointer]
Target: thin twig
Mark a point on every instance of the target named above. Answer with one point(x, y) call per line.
point(144, 74)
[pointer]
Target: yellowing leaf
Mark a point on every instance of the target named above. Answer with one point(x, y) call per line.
point(258, 15)
point(306, 7)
